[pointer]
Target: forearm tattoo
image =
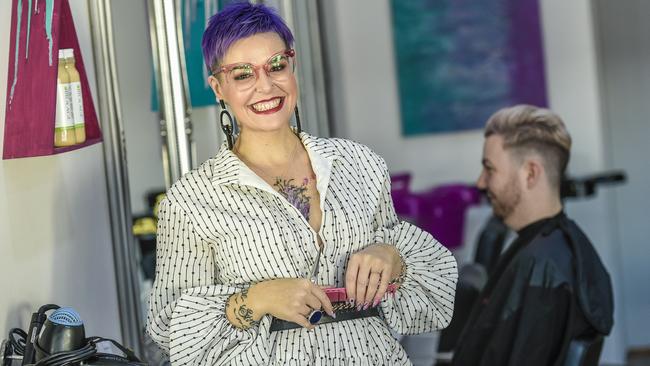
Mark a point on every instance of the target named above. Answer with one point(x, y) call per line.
point(242, 315)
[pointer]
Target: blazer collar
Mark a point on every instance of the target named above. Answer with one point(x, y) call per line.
point(227, 168)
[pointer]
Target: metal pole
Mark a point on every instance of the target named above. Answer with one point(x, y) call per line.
point(170, 76)
point(116, 174)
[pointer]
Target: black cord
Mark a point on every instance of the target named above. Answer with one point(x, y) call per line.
point(17, 338)
point(35, 325)
point(68, 357)
point(84, 353)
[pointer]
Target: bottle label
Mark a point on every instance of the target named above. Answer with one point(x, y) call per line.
point(64, 116)
point(77, 104)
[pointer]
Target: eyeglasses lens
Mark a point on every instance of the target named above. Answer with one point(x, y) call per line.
point(244, 76)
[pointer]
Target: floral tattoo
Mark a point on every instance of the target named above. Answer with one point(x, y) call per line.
point(296, 195)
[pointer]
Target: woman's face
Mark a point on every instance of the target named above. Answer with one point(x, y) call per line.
point(268, 104)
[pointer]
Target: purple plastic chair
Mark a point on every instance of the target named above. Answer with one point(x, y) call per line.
point(439, 211)
point(406, 203)
point(443, 212)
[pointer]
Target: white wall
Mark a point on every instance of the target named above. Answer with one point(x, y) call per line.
point(367, 111)
point(55, 241)
point(626, 86)
point(573, 86)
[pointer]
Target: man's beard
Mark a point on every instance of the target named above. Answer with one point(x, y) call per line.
point(506, 200)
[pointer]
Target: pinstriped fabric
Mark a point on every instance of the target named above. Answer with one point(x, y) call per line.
point(221, 228)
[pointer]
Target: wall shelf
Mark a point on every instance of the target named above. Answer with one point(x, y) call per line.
point(38, 30)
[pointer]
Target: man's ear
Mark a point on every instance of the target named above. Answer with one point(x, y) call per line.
point(534, 170)
point(216, 87)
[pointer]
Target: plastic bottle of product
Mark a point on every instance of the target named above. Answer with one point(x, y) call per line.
point(64, 122)
point(77, 98)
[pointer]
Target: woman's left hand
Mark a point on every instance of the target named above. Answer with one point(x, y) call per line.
point(368, 273)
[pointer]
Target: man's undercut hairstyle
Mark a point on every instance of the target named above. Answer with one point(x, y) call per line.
point(237, 21)
point(526, 129)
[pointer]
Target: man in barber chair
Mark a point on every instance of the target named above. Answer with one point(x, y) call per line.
point(549, 287)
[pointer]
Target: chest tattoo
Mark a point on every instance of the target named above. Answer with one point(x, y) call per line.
point(295, 194)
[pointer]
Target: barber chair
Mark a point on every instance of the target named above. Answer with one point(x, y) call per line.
point(582, 187)
point(584, 351)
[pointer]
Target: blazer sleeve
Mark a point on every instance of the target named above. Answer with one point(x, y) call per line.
point(186, 314)
point(425, 301)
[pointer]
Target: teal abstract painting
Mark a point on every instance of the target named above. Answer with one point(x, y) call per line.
point(458, 61)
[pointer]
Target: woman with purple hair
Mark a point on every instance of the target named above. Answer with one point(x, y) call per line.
point(250, 243)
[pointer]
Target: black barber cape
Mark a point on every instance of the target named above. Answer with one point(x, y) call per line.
point(548, 288)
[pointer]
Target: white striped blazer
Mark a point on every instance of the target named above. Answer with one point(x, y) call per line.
point(221, 228)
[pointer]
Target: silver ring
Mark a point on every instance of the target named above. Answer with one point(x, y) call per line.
point(314, 317)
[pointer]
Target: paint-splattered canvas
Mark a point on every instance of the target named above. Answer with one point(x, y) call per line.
point(458, 61)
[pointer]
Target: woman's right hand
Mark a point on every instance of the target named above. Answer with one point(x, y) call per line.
point(291, 299)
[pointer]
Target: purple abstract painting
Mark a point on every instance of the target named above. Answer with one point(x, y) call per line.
point(458, 61)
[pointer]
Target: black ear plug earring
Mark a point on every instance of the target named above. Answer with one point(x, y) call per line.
point(298, 127)
point(226, 125)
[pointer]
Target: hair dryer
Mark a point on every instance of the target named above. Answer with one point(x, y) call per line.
point(63, 331)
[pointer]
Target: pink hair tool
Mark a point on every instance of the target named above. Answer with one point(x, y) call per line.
point(339, 297)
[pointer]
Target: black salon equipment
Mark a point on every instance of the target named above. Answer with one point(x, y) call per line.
point(63, 331)
point(585, 186)
point(58, 340)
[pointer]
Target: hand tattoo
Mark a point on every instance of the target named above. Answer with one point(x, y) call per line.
point(245, 315)
point(244, 294)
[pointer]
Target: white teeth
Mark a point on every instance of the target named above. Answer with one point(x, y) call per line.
point(265, 106)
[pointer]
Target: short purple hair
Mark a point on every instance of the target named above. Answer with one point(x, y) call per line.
point(236, 21)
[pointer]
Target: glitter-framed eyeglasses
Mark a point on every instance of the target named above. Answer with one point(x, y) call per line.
point(243, 75)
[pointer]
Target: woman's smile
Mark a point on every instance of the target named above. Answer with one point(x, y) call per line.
point(268, 106)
